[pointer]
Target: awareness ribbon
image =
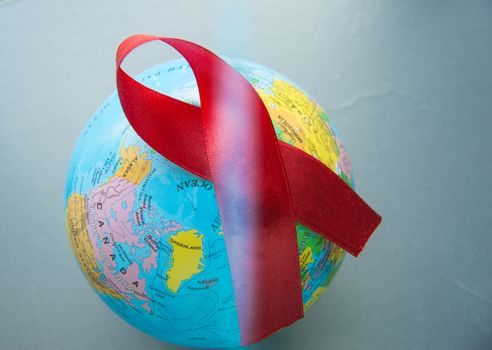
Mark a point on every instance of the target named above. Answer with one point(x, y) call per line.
point(263, 185)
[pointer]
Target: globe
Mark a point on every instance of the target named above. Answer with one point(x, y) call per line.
point(147, 234)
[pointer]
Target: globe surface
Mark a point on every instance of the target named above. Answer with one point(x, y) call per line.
point(147, 234)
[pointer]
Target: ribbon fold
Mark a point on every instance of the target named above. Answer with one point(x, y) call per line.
point(263, 186)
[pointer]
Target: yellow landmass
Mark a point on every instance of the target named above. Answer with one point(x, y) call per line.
point(78, 235)
point(316, 294)
point(133, 167)
point(186, 257)
point(300, 120)
point(306, 257)
point(336, 255)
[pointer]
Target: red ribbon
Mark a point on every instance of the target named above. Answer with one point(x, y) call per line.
point(263, 185)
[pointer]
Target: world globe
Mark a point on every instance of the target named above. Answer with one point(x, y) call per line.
point(147, 234)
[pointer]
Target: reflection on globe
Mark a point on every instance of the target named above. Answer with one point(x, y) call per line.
point(147, 234)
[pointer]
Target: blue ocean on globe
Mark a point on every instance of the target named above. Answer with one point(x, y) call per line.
point(147, 234)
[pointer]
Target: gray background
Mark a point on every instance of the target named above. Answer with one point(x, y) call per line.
point(409, 85)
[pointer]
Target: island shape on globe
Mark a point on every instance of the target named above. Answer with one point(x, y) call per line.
point(147, 234)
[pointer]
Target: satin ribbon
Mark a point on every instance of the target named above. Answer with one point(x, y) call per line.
point(263, 186)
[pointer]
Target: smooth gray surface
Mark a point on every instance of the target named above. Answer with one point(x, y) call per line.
point(409, 85)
